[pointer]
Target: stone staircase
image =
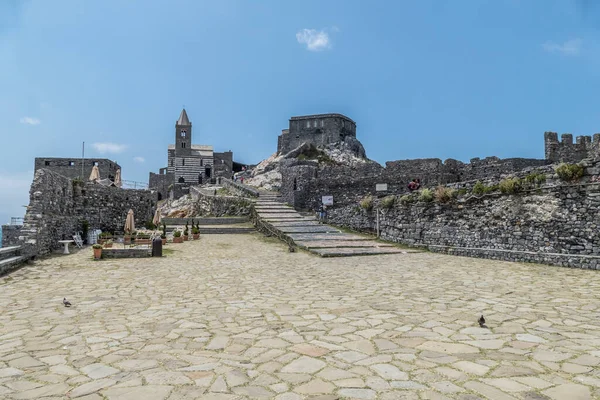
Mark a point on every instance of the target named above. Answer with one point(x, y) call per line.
point(306, 232)
point(10, 259)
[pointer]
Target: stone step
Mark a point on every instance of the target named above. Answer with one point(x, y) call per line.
point(289, 219)
point(205, 221)
point(8, 251)
point(9, 264)
point(356, 251)
point(225, 231)
point(326, 236)
point(294, 223)
point(323, 244)
point(307, 229)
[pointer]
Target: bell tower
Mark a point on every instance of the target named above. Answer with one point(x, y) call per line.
point(183, 135)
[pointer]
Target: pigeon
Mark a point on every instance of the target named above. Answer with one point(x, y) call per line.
point(481, 321)
point(66, 302)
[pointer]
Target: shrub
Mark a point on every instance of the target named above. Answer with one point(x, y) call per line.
point(150, 225)
point(388, 202)
point(510, 185)
point(367, 203)
point(426, 195)
point(97, 246)
point(177, 234)
point(407, 198)
point(569, 172)
point(535, 178)
point(443, 194)
point(478, 188)
point(461, 192)
point(195, 230)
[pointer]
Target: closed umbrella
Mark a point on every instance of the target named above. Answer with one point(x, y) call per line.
point(95, 175)
point(156, 219)
point(117, 181)
point(129, 222)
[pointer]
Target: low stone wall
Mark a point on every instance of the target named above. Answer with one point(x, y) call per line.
point(10, 234)
point(219, 206)
point(238, 189)
point(126, 253)
point(553, 225)
point(58, 208)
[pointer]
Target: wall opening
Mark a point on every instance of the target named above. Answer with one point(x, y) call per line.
point(295, 184)
point(181, 179)
point(207, 172)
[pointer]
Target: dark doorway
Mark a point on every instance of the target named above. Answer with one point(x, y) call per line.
point(295, 184)
point(200, 179)
point(159, 196)
point(181, 180)
point(207, 172)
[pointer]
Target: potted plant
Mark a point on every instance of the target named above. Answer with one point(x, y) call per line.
point(142, 238)
point(108, 244)
point(177, 237)
point(185, 235)
point(97, 251)
point(195, 232)
point(163, 235)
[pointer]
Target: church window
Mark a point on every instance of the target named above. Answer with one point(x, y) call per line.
point(183, 145)
point(201, 162)
point(181, 179)
point(183, 162)
point(183, 132)
point(47, 163)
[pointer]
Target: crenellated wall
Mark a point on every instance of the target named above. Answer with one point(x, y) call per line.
point(58, 206)
point(567, 151)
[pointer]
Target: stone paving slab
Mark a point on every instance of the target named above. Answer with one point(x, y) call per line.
point(277, 211)
point(286, 216)
point(240, 317)
point(315, 244)
point(290, 219)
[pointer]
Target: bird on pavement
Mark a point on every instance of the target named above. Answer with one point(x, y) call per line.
point(66, 302)
point(481, 321)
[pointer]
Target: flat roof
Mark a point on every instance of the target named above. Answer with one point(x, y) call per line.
point(331, 115)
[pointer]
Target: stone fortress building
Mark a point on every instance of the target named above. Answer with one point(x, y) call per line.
point(189, 164)
point(319, 130)
point(72, 167)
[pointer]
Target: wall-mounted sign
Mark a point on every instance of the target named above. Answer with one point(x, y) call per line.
point(381, 187)
point(327, 200)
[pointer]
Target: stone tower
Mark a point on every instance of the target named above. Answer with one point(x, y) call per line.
point(183, 135)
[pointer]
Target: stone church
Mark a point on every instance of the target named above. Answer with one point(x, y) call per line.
point(189, 164)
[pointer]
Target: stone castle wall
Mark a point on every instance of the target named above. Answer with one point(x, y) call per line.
point(567, 151)
point(71, 167)
point(556, 224)
point(58, 207)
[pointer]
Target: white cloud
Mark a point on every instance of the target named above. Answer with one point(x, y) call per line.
point(313, 39)
point(30, 121)
point(569, 48)
point(139, 159)
point(109, 147)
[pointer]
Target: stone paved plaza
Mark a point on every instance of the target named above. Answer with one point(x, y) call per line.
point(238, 316)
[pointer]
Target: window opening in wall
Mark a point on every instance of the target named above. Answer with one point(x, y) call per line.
point(71, 163)
point(181, 179)
point(207, 172)
point(201, 162)
point(295, 184)
point(47, 163)
point(183, 133)
point(183, 145)
point(315, 123)
point(343, 125)
point(96, 163)
point(308, 124)
point(322, 123)
point(171, 163)
point(183, 161)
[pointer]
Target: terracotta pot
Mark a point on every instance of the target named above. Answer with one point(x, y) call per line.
point(185, 238)
point(126, 239)
point(164, 241)
point(178, 239)
point(97, 254)
point(196, 236)
point(101, 241)
point(108, 245)
point(142, 241)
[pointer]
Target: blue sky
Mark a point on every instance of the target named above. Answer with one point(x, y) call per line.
point(428, 78)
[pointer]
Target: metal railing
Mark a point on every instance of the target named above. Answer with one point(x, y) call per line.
point(16, 220)
point(134, 185)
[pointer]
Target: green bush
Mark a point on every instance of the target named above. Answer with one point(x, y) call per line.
point(426, 195)
point(510, 185)
point(461, 192)
point(177, 234)
point(388, 202)
point(97, 246)
point(569, 172)
point(150, 225)
point(478, 188)
point(535, 178)
point(367, 203)
point(407, 198)
point(443, 194)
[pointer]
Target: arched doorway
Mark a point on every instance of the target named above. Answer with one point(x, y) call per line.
point(207, 172)
point(181, 179)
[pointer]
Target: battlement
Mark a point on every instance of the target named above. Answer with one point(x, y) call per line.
point(567, 151)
